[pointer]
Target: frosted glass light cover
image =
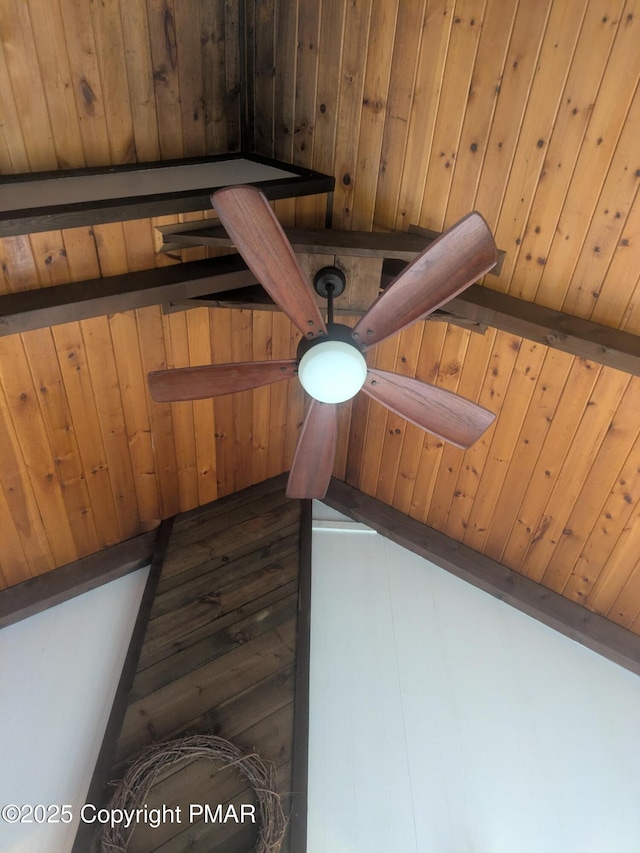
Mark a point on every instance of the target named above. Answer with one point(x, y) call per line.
point(332, 371)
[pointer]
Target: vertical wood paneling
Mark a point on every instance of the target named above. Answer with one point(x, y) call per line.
point(534, 108)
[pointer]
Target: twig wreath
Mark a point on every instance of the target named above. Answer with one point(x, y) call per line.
point(132, 791)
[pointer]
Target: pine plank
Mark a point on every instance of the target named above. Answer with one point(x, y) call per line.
point(602, 239)
point(17, 264)
point(278, 415)
point(21, 57)
point(262, 343)
point(537, 422)
point(28, 431)
point(482, 99)
point(14, 564)
point(614, 302)
point(405, 364)
point(232, 75)
point(153, 357)
point(13, 151)
point(586, 442)
point(617, 570)
point(190, 75)
point(585, 77)
point(357, 19)
point(264, 79)
point(515, 85)
point(428, 499)
point(544, 102)
point(306, 76)
point(402, 80)
point(382, 28)
point(203, 411)
point(612, 454)
point(332, 21)
point(110, 53)
point(283, 122)
point(58, 422)
point(20, 498)
point(241, 350)
point(78, 390)
point(139, 68)
point(220, 325)
point(626, 606)
point(429, 356)
point(474, 467)
point(616, 514)
point(384, 359)
point(468, 21)
point(616, 99)
point(87, 86)
point(518, 398)
point(53, 62)
point(136, 417)
point(436, 28)
point(164, 56)
point(213, 51)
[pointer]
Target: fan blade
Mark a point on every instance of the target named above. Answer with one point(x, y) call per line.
point(316, 450)
point(258, 236)
point(443, 413)
point(214, 380)
point(454, 261)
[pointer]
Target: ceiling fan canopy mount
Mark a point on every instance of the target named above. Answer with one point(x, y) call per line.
point(330, 362)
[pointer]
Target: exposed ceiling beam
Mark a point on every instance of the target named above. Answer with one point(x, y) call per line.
point(398, 245)
point(44, 591)
point(590, 629)
point(226, 282)
point(78, 300)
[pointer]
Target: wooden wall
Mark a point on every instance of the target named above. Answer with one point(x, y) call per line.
point(527, 110)
point(219, 657)
point(90, 84)
point(530, 113)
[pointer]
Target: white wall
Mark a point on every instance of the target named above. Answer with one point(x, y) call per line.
point(58, 674)
point(444, 720)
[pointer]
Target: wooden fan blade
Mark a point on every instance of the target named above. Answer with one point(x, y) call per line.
point(214, 380)
point(258, 236)
point(448, 416)
point(315, 453)
point(454, 261)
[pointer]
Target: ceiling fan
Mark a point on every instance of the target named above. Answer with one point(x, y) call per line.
point(330, 363)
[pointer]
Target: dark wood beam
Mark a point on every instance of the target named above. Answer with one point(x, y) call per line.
point(398, 245)
point(44, 591)
point(300, 768)
point(227, 283)
point(99, 792)
point(476, 309)
point(565, 616)
point(37, 309)
point(565, 332)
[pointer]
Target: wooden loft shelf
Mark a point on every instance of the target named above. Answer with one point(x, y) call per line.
point(45, 201)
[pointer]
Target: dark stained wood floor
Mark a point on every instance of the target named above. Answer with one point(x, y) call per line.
point(219, 657)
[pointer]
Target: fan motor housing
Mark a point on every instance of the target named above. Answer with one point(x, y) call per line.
point(335, 332)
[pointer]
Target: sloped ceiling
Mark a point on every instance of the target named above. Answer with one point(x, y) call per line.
point(527, 111)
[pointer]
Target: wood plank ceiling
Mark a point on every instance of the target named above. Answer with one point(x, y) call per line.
point(526, 110)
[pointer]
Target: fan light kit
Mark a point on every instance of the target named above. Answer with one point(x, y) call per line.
point(330, 361)
point(332, 371)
